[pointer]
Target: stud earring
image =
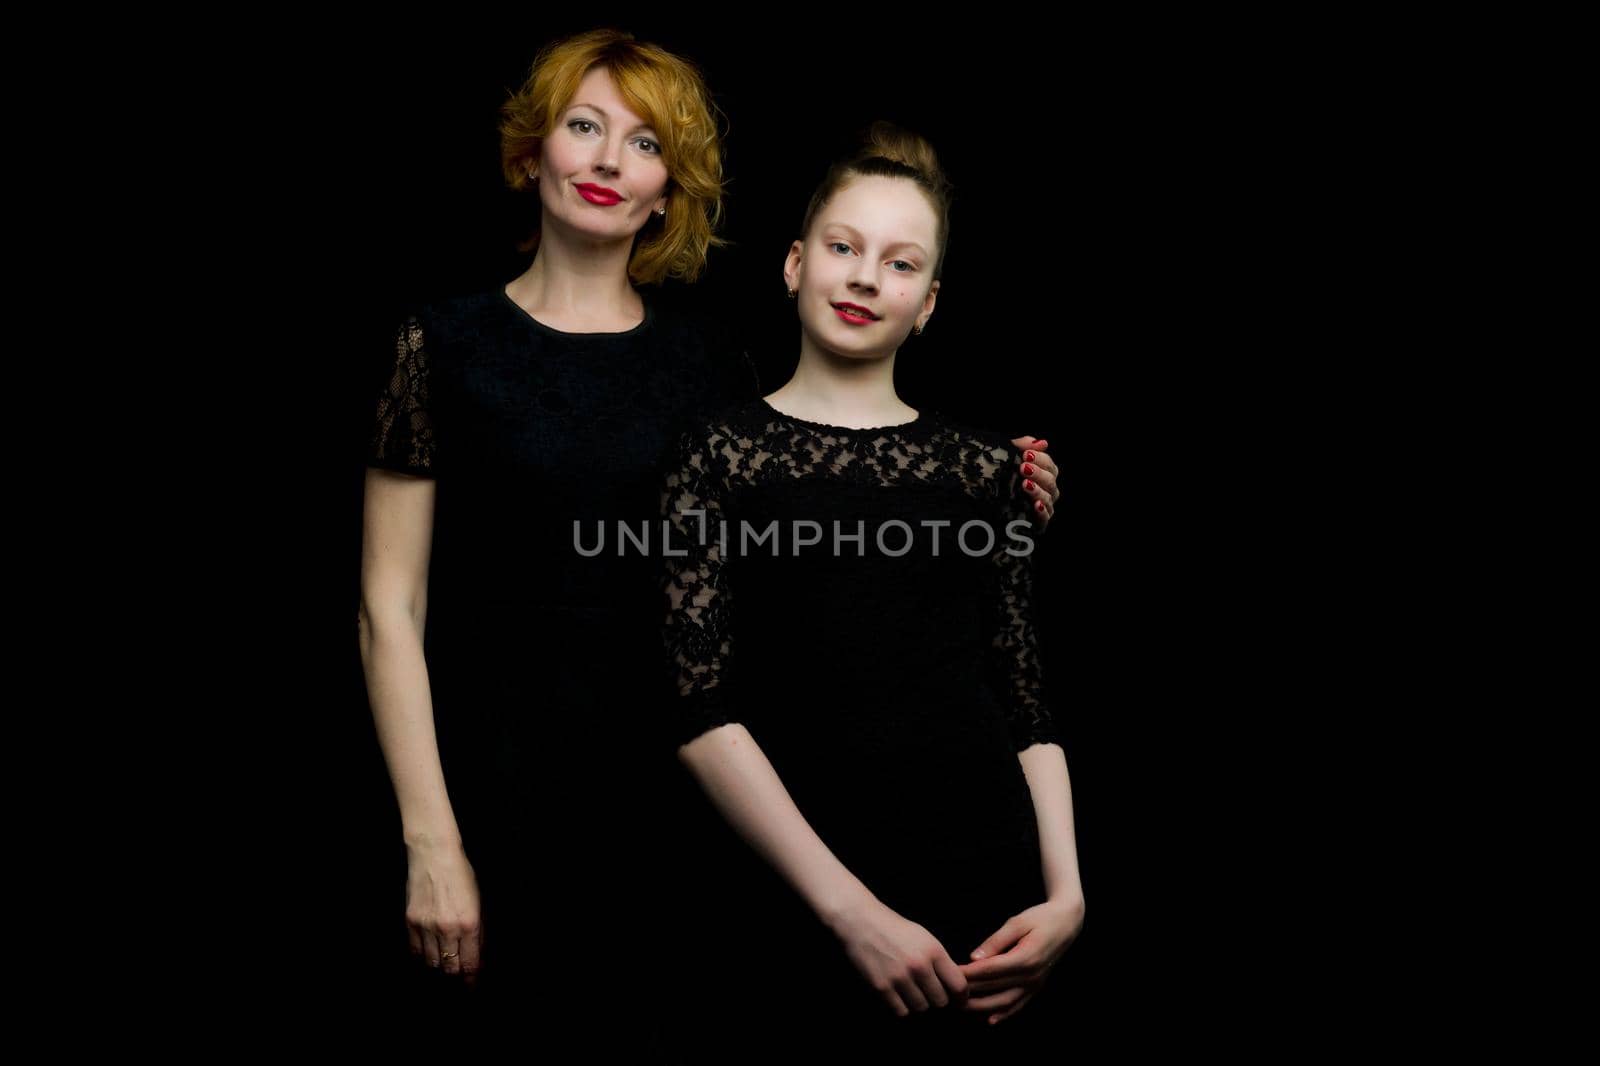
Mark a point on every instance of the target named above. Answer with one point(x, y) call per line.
point(917, 330)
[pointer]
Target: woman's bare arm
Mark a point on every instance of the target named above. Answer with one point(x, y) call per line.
point(443, 913)
point(396, 541)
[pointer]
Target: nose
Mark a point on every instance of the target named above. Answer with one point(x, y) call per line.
point(608, 156)
point(863, 275)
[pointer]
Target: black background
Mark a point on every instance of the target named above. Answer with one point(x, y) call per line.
point(1091, 296)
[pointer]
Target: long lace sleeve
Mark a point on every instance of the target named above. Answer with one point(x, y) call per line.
point(402, 431)
point(697, 600)
point(1018, 676)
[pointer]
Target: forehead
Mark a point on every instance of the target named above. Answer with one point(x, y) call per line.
point(599, 89)
point(883, 207)
point(597, 81)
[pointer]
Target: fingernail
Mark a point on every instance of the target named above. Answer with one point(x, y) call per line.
point(980, 954)
point(1027, 468)
point(1028, 485)
point(1039, 506)
point(1028, 456)
point(1041, 444)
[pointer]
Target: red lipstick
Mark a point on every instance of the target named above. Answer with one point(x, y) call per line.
point(854, 314)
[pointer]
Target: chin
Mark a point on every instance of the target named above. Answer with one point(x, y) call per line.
point(859, 354)
point(592, 234)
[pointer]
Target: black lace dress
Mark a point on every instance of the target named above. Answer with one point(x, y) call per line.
point(542, 652)
point(866, 615)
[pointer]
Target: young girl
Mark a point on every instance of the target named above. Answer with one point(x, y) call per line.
point(860, 694)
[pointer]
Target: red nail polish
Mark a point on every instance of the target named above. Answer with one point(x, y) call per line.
point(1041, 444)
point(1028, 485)
point(1028, 456)
point(1027, 468)
point(1039, 506)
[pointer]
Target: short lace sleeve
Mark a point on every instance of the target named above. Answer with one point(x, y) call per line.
point(1018, 676)
point(402, 431)
point(697, 600)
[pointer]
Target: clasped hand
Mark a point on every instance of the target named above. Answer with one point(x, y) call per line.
point(911, 970)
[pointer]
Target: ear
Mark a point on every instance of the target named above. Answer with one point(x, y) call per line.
point(791, 265)
point(930, 300)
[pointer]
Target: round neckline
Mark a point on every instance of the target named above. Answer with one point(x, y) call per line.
point(842, 429)
point(649, 317)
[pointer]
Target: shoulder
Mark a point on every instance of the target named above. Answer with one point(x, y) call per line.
point(744, 420)
point(984, 460)
point(679, 320)
point(671, 307)
point(677, 307)
point(442, 318)
point(989, 449)
point(725, 440)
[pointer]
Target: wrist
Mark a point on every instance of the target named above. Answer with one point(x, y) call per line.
point(431, 838)
point(838, 905)
point(1068, 900)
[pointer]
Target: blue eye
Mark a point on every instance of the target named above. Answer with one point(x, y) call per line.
point(909, 267)
point(839, 244)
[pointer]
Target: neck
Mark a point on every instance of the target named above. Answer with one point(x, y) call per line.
point(580, 279)
point(844, 391)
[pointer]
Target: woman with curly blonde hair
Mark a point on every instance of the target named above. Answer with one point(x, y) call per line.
point(508, 606)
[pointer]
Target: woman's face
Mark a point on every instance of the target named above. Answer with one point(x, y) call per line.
point(873, 247)
point(600, 170)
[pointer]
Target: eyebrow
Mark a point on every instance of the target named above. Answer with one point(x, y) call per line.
point(592, 107)
point(896, 244)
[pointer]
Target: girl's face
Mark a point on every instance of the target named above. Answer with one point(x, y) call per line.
point(862, 275)
point(600, 171)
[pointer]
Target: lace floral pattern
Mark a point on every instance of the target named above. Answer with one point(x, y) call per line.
point(402, 434)
point(756, 447)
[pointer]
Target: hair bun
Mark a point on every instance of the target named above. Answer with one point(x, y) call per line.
point(885, 140)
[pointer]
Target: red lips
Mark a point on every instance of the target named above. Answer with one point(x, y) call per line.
point(856, 309)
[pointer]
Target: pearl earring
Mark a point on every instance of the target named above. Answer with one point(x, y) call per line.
point(791, 294)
